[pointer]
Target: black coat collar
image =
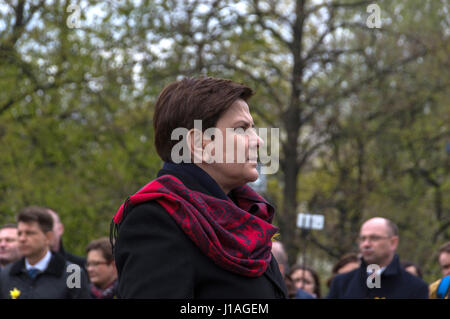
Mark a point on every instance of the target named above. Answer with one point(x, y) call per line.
point(55, 267)
point(194, 177)
point(394, 268)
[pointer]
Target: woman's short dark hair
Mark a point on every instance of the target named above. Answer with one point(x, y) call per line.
point(182, 102)
point(313, 274)
point(104, 245)
point(344, 260)
point(406, 264)
point(36, 214)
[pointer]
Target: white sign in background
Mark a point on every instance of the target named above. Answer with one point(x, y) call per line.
point(310, 221)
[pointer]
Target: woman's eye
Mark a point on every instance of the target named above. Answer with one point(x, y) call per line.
point(240, 130)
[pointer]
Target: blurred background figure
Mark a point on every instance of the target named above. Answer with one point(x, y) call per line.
point(101, 269)
point(347, 263)
point(57, 243)
point(281, 256)
point(9, 250)
point(307, 279)
point(444, 259)
point(412, 268)
point(440, 289)
point(39, 274)
point(378, 241)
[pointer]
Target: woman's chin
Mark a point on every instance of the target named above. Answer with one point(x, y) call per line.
point(252, 174)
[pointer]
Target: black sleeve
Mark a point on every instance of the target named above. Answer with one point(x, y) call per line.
point(421, 292)
point(333, 293)
point(76, 281)
point(1, 288)
point(152, 256)
point(83, 292)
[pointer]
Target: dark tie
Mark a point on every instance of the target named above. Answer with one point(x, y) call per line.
point(33, 272)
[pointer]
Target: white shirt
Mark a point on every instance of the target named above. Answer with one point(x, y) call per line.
point(42, 264)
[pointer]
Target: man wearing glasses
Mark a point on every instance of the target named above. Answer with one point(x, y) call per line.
point(380, 274)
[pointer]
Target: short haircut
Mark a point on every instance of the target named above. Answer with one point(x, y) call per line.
point(104, 245)
point(344, 260)
point(36, 214)
point(393, 229)
point(182, 102)
point(6, 226)
point(54, 215)
point(445, 248)
point(313, 274)
point(406, 264)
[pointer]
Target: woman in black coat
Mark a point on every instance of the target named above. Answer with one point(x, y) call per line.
point(197, 230)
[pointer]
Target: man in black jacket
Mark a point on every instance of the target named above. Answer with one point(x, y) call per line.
point(380, 274)
point(40, 273)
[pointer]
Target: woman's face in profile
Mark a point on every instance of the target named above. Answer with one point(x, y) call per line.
point(239, 147)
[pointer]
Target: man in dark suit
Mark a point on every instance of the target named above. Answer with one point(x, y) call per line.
point(40, 274)
point(378, 243)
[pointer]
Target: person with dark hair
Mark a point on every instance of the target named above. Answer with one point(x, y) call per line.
point(440, 289)
point(197, 230)
point(412, 268)
point(39, 274)
point(281, 257)
point(346, 263)
point(9, 250)
point(380, 274)
point(101, 269)
point(305, 278)
point(444, 258)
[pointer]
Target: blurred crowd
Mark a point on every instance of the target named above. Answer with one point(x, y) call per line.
point(351, 276)
point(35, 264)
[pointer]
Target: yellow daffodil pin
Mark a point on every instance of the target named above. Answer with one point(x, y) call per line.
point(15, 293)
point(276, 236)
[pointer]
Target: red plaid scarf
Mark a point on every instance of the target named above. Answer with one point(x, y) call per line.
point(237, 237)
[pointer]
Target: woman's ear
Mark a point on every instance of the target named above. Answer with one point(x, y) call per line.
point(194, 138)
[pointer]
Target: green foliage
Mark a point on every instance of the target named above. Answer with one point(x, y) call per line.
point(367, 109)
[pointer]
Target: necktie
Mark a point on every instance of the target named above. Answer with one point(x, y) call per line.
point(33, 272)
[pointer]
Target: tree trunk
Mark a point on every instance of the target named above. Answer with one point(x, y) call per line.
point(292, 123)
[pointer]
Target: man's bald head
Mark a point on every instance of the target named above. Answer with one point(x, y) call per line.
point(58, 230)
point(378, 241)
point(281, 257)
point(390, 226)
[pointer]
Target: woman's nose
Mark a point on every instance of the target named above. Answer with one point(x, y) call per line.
point(255, 139)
